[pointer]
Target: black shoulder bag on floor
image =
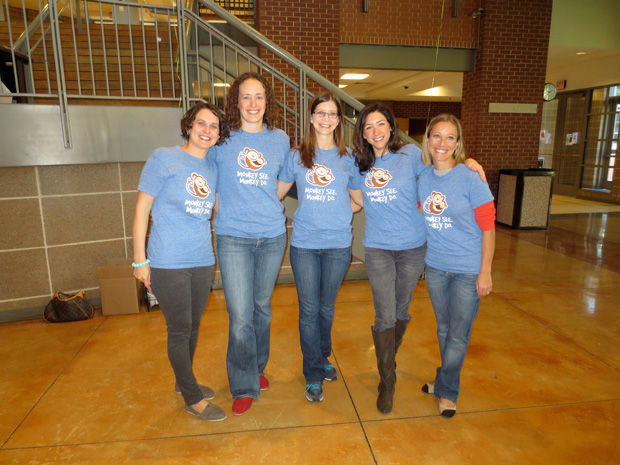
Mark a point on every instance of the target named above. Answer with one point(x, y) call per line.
point(68, 307)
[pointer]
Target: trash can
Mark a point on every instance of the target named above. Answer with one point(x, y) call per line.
point(524, 198)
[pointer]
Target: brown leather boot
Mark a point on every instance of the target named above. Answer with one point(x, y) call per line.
point(385, 351)
point(399, 333)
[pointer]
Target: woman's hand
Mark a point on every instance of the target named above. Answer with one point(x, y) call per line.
point(357, 201)
point(143, 274)
point(477, 167)
point(484, 284)
point(140, 226)
point(283, 188)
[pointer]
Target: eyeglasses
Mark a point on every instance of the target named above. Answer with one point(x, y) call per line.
point(323, 115)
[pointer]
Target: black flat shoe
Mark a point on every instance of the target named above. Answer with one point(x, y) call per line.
point(446, 412)
point(428, 388)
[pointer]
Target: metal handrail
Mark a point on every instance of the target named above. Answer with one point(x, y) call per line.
point(199, 55)
point(24, 37)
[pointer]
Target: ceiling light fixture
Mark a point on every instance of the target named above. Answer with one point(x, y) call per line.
point(354, 76)
point(342, 86)
point(581, 53)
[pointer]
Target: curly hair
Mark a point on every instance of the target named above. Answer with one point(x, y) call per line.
point(232, 113)
point(459, 151)
point(190, 116)
point(362, 150)
point(308, 144)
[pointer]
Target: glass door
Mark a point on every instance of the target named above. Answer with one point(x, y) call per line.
point(569, 142)
point(601, 144)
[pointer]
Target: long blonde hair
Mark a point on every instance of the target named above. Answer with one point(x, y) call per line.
point(459, 151)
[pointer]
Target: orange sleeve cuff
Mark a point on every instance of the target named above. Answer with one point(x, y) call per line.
point(485, 216)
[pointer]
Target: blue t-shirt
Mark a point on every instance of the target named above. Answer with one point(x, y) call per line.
point(248, 168)
point(448, 202)
point(389, 189)
point(323, 216)
point(184, 190)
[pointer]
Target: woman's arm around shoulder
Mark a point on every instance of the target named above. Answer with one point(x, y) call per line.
point(477, 167)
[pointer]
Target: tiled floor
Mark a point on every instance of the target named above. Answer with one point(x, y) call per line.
point(541, 382)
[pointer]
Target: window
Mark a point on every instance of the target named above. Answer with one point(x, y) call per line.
point(601, 143)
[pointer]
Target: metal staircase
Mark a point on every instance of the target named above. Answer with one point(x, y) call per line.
point(114, 51)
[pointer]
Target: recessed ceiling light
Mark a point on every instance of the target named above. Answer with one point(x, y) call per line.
point(354, 76)
point(581, 53)
point(221, 84)
point(342, 86)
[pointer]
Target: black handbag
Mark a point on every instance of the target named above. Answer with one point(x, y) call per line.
point(68, 307)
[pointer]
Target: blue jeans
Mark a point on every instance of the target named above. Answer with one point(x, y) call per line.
point(318, 276)
point(455, 302)
point(182, 295)
point(249, 269)
point(393, 276)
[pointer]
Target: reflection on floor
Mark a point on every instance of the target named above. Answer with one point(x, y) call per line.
point(541, 382)
point(562, 205)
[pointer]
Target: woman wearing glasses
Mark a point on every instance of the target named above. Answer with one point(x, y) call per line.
point(395, 236)
point(320, 252)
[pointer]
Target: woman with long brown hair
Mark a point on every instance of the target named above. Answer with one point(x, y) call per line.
point(324, 172)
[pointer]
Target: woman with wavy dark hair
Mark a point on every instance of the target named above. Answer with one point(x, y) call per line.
point(250, 230)
point(178, 186)
point(395, 237)
point(324, 172)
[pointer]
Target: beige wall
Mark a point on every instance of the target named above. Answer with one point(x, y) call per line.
point(59, 223)
point(587, 73)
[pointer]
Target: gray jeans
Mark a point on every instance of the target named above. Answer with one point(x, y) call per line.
point(393, 276)
point(182, 295)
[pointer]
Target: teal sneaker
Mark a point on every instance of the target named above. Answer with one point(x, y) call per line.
point(330, 373)
point(314, 392)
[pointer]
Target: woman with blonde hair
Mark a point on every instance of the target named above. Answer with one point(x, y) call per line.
point(459, 215)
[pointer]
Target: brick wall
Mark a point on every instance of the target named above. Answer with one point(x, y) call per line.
point(510, 68)
point(421, 109)
point(407, 22)
point(306, 29)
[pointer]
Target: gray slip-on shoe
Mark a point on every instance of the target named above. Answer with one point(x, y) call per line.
point(210, 413)
point(207, 392)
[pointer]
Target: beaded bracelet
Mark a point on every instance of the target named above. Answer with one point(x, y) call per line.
point(137, 265)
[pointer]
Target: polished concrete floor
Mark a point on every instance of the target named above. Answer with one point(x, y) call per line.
point(540, 385)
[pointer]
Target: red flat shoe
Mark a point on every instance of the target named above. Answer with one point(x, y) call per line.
point(241, 405)
point(263, 383)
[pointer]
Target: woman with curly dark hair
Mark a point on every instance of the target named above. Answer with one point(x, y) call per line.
point(250, 230)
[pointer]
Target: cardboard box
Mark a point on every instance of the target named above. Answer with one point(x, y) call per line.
point(121, 293)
